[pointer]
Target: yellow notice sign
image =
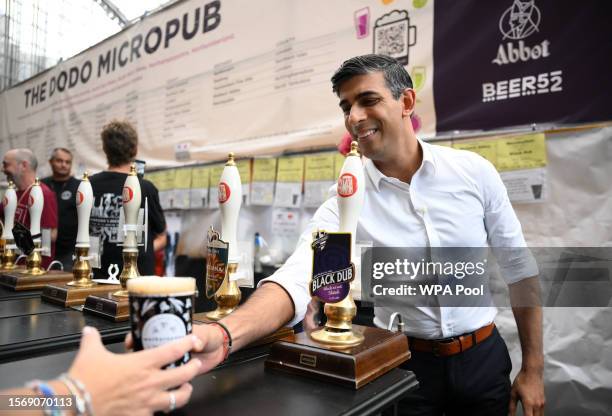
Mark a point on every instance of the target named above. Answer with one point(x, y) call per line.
point(165, 179)
point(215, 174)
point(320, 167)
point(290, 169)
point(521, 152)
point(511, 153)
point(338, 163)
point(264, 170)
point(485, 148)
point(182, 178)
point(153, 177)
point(200, 176)
point(244, 170)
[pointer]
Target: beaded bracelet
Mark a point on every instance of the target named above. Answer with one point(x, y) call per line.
point(79, 402)
point(47, 392)
point(83, 392)
point(227, 339)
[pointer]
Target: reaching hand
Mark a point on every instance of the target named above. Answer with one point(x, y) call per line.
point(134, 383)
point(213, 351)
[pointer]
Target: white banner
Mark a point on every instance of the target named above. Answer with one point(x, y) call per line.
point(218, 76)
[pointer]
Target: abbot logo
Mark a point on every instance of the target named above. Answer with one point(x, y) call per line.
point(509, 53)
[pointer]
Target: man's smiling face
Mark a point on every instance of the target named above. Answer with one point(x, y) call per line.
point(372, 115)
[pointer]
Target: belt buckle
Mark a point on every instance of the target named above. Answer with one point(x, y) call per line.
point(436, 345)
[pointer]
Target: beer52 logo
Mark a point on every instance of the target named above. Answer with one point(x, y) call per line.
point(128, 194)
point(79, 198)
point(517, 23)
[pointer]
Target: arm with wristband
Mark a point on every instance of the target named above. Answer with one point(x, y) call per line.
point(268, 308)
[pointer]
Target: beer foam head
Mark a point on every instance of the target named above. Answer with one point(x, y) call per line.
point(161, 286)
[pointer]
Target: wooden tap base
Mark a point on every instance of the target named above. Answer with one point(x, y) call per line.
point(66, 295)
point(352, 367)
point(19, 268)
point(19, 280)
point(107, 306)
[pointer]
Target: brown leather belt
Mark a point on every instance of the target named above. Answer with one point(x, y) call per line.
point(451, 346)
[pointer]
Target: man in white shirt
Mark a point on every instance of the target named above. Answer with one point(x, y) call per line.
point(417, 195)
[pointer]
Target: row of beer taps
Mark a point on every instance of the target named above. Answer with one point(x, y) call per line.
point(227, 295)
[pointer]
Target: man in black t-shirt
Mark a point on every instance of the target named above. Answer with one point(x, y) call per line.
point(65, 186)
point(120, 144)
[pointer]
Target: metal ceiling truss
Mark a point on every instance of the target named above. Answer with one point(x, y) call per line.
point(113, 12)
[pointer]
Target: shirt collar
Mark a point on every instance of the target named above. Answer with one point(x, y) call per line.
point(376, 176)
point(428, 157)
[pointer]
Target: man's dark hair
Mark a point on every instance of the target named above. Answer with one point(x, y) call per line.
point(120, 142)
point(396, 77)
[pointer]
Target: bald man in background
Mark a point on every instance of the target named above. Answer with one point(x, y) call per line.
point(19, 166)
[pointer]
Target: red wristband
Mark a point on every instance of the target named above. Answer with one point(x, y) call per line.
point(227, 343)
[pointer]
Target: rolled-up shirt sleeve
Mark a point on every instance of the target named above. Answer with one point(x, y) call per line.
point(294, 276)
point(504, 232)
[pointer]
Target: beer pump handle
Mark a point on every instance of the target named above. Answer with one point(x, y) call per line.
point(132, 197)
point(35, 206)
point(9, 203)
point(351, 191)
point(230, 200)
point(84, 203)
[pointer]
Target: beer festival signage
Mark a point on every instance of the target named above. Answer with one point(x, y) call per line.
point(209, 76)
point(517, 62)
point(212, 76)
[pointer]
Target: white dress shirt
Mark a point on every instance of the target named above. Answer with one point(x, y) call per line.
point(455, 199)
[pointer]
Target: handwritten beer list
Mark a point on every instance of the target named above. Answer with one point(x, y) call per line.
point(198, 106)
point(291, 65)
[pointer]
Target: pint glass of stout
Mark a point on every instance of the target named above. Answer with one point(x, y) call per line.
point(161, 310)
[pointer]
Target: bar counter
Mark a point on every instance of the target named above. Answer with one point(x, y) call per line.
point(245, 388)
point(54, 328)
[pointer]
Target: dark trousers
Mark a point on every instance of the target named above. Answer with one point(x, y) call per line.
point(66, 259)
point(475, 382)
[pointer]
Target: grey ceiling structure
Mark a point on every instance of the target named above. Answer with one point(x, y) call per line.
point(113, 11)
point(37, 34)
